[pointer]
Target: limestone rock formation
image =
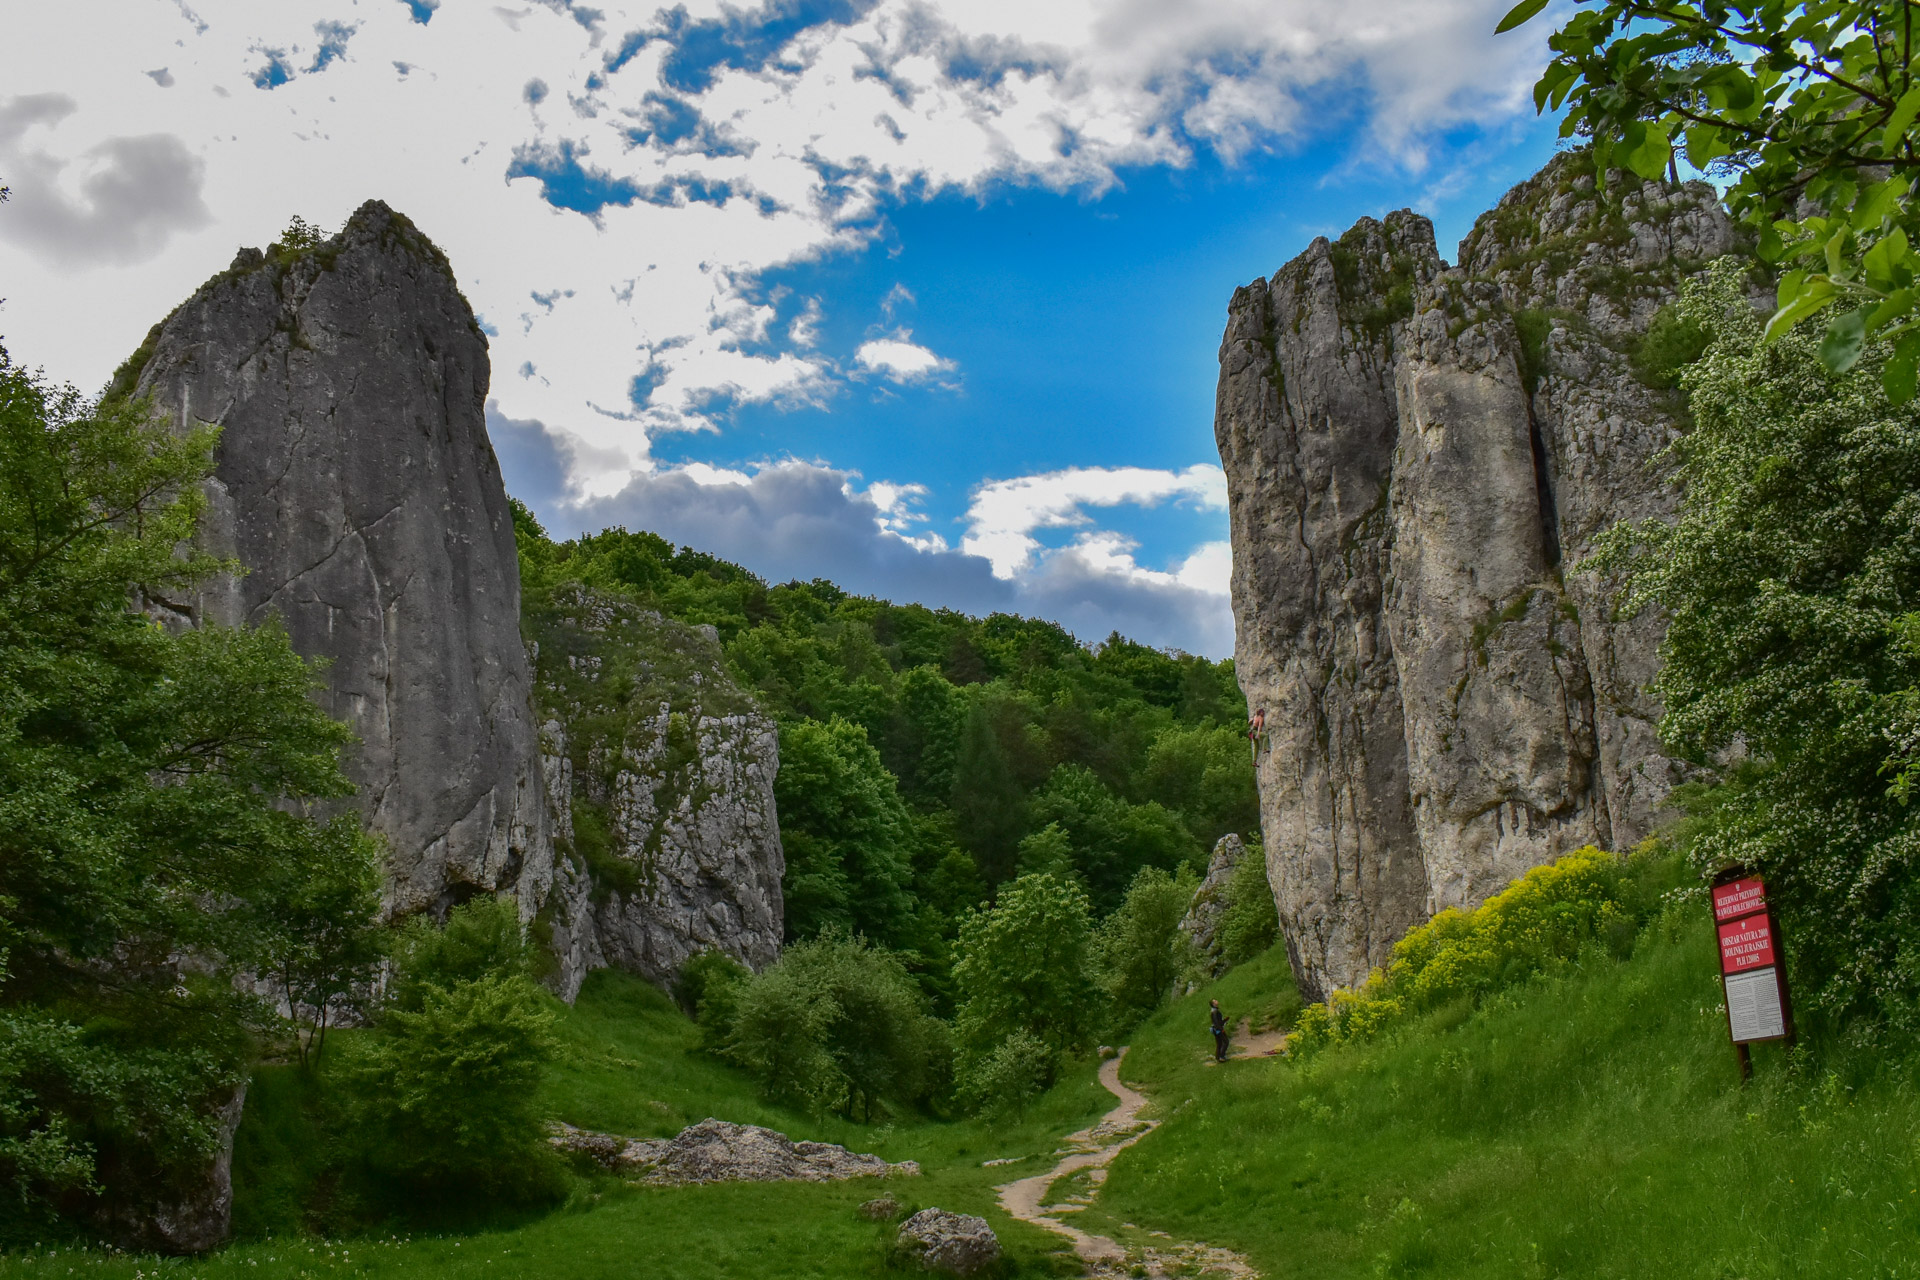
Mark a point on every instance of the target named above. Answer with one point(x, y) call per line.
point(941, 1240)
point(356, 484)
point(720, 1151)
point(1418, 458)
point(1201, 923)
point(660, 770)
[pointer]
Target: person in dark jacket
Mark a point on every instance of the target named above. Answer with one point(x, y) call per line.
point(1219, 1032)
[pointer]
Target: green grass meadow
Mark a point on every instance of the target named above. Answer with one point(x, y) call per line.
point(631, 1066)
point(1589, 1123)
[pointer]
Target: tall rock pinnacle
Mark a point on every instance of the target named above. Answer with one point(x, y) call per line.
point(1418, 458)
point(355, 482)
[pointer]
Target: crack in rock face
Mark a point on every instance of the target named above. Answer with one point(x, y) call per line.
point(1418, 460)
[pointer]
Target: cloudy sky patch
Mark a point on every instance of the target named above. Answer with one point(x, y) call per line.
point(920, 294)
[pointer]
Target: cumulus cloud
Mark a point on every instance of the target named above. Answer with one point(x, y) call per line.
point(668, 158)
point(796, 519)
point(1005, 513)
point(900, 359)
point(119, 201)
point(660, 160)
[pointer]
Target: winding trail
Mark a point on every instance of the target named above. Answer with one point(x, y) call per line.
point(1092, 1150)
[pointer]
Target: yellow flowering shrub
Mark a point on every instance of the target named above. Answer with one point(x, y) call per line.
point(1548, 914)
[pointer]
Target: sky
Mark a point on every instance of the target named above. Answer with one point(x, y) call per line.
point(921, 296)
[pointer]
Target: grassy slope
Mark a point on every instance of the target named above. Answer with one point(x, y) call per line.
point(1588, 1124)
point(631, 1068)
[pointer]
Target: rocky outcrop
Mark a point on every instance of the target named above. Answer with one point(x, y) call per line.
point(720, 1151)
point(1418, 459)
point(661, 773)
point(356, 485)
point(941, 1240)
point(1201, 924)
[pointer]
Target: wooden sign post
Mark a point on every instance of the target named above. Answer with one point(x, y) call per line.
point(1752, 964)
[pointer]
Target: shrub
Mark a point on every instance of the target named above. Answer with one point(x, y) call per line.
point(1026, 966)
point(1140, 946)
point(708, 987)
point(444, 1093)
point(839, 1025)
point(1545, 916)
point(1250, 923)
point(1010, 1075)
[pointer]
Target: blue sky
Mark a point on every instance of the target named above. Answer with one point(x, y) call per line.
point(922, 296)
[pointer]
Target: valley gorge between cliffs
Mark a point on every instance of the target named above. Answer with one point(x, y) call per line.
point(1419, 460)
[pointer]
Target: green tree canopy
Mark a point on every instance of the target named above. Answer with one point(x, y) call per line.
point(847, 835)
point(1026, 966)
point(1791, 580)
point(1809, 109)
point(159, 794)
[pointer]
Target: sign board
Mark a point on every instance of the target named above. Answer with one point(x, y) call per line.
point(1751, 963)
point(1755, 1010)
point(1738, 898)
point(1747, 944)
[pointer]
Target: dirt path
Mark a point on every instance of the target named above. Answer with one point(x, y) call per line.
point(1249, 1045)
point(1091, 1151)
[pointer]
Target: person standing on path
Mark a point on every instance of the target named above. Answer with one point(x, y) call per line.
point(1219, 1032)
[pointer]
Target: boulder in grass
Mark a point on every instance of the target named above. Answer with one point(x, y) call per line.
point(941, 1240)
point(880, 1210)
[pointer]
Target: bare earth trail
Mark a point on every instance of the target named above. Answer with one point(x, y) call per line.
point(1092, 1150)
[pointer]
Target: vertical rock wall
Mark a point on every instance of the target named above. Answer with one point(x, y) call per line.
point(355, 483)
point(1416, 457)
point(661, 774)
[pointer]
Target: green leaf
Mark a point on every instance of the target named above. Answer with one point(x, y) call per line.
point(1705, 144)
point(1892, 307)
point(1813, 296)
point(1878, 203)
point(1889, 264)
point(1647, 150)
point(1790, 286)
point(1520, 14)
point(1898, 376)
point(1846, 339)
point(1901, 120)
point(1836, 248)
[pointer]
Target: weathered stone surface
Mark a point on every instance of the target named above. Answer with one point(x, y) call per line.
point(720, 1151)
point(661, 773)
point(355, 483)
point(1417, 460)
point(192, 1212)
point(1201, 923)
point(880, 1209)
point(945, 1241)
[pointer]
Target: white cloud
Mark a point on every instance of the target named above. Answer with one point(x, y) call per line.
point(683, 182)
point(900, 359)
point(1005, 513)
point(796, 519)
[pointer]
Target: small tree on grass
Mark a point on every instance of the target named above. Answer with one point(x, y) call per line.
point(1026, 968)
point(839, 1025)
point(1139, 946)
point(447, 1089)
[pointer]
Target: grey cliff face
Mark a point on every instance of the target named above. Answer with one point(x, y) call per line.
point(1201, 923)
point(356, 484)
point(1417, 460)
point(661, 774)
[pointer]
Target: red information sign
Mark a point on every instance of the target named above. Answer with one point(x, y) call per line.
point(1738, 898)
point(1746, 944)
